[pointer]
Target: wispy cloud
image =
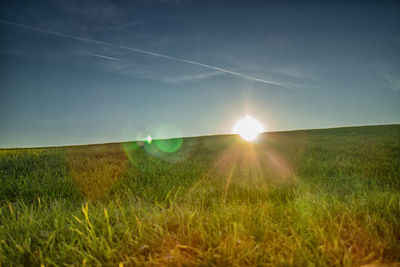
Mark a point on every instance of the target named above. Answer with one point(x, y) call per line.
point(193, 78)
point(392, 81)
point(106, 57)
point(150, 53)
point(389, 74)
point(291, 71)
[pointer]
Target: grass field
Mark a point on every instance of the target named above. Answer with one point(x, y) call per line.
point(303, 198)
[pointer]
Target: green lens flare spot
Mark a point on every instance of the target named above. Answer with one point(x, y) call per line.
point(170, 140)
point(169, 145)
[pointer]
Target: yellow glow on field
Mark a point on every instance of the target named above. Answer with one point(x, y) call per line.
point(248, 128)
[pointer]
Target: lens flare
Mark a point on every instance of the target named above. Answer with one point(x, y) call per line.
point(248, 128)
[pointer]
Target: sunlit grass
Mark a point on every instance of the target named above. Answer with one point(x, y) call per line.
point(322, 198)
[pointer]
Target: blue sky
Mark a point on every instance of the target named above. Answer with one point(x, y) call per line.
point(78, 72)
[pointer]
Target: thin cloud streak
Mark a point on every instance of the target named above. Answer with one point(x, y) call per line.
point(150, 53)
point(106, 57)
point(247, 77)
point(55, 33)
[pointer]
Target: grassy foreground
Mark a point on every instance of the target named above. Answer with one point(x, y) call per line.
point(304, 198)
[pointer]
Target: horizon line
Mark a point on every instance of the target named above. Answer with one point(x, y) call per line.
point(194, 136)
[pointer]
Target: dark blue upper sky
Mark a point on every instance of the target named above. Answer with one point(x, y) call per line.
point(76, 72)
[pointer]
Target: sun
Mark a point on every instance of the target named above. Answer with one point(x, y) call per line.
point(248, 128)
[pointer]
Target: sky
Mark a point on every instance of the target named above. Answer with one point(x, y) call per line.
point(83, 72)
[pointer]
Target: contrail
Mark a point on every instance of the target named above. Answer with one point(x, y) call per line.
point(98, 55)
point(150, 53)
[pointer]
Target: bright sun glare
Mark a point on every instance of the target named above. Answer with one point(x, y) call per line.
point(248, 128)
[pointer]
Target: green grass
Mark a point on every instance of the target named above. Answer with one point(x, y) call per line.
point(303, 198)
